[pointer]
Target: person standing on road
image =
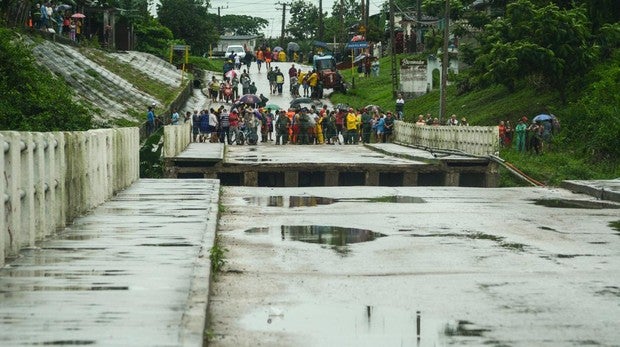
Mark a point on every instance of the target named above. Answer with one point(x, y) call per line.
point(351, 124)
point(366, 126)
point(225, 127)
point(174, 117)
point(245, 82)
point(271, 77)
point(282, 125)
point(313, 80)
point(388, 127)
point(279, 80)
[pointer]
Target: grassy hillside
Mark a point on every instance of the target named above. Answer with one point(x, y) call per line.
point(568, 158)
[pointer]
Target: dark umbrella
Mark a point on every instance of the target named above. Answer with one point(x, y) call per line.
point(292, 46)
point(295, 102)
point(249, 99)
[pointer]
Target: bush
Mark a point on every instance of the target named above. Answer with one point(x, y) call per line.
point(31, 98)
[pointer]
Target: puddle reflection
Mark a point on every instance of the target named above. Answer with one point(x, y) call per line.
point(310, 201)
point(566, 203)
point(343, 325)
point(329, 235)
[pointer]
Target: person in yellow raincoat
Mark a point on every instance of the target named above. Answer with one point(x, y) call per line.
point(282, 56)
point(319, 128)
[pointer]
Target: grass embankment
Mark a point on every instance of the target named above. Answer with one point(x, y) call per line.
point(487, 107)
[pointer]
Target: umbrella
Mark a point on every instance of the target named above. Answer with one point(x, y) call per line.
point(273, 107)
point(373, 107)
point(298, 101)
point(62, 7)
point(542, 117)
point(360, 57)
point(78, 15)
point(230, 74)
point(357, 38)
point(344, 107)
point(277, 49)
point(292, 46)
point(249, 99)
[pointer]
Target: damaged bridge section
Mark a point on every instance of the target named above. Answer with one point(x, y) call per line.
point(268, 165)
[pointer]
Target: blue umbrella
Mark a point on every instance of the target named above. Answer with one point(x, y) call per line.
point(542, 117)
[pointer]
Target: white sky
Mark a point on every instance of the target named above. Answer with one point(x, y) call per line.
point(267, 10)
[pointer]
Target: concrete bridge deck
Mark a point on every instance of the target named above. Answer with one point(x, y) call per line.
point(134, 272)
point(380, 164)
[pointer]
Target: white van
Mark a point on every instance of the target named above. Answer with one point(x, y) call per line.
point(238, 49)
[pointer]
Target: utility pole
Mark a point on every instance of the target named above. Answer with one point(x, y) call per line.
point(393, 51)
point(283, 21)
point(418, 24)
point(445, 60)
point(219, 21)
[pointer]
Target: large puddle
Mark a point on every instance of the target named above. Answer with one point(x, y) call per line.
point(337, 237)
point(363, 325)
point(584, 204)
point(310, 201)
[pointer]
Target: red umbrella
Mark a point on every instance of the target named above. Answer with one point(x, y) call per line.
point(78, 15)
point(231, 74)
point(357, 38)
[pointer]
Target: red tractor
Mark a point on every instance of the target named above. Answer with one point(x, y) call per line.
point(325, 66)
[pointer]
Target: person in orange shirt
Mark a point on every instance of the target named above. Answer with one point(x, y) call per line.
point(259, 58)
point(268, 59)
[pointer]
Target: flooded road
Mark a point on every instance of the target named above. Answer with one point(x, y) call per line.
point(355, 266)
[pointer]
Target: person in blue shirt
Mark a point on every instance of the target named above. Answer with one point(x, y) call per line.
point(150, 121)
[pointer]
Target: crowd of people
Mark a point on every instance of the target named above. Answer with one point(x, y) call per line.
point(242, 124)
point(58, 19)
point(533, 137)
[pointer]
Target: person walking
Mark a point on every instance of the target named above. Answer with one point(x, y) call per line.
point(225, 127)
point(279, 80)
point(282, 125)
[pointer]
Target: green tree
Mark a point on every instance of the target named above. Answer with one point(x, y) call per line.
point(545, 41)
point(153, 38)
point(304, 21)
point(31, 98)
point(188, 20)
point(241, 24)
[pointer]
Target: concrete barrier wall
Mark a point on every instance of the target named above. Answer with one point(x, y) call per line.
point(176, 139)
point(475, 140)
point(51, 178)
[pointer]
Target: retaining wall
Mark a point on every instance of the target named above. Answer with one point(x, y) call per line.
point(475, 140)
point(176, 139)
point(51, 178)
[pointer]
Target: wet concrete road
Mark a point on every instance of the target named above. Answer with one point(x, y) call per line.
point(132, 273)
point(482, 266)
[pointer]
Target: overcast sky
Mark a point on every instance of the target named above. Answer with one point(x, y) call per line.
point(268, 10)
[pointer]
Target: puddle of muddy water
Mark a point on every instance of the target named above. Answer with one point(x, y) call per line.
point(343, 325)
point(583, 204)
point(310, 201)
point(321, 234)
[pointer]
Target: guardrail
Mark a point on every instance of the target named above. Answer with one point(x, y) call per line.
point(475, 140)
point(176, 139)
point(51, 178)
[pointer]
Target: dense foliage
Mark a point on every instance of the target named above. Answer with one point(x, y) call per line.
point(31, 98)
point(187, 19)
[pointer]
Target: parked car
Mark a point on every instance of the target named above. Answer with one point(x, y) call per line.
point(237, 49)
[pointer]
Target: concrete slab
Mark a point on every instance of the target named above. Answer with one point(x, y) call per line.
point(414, 153)
point(308, 154)
point(209, 152)
point(601, 189)
point(482, 266)
point(135, 272)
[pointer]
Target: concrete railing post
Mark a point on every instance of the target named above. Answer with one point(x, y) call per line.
point(51, 178)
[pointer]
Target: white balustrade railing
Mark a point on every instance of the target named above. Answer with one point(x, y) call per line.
point(176, 139)
point(476, 140)
point(51, 178)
